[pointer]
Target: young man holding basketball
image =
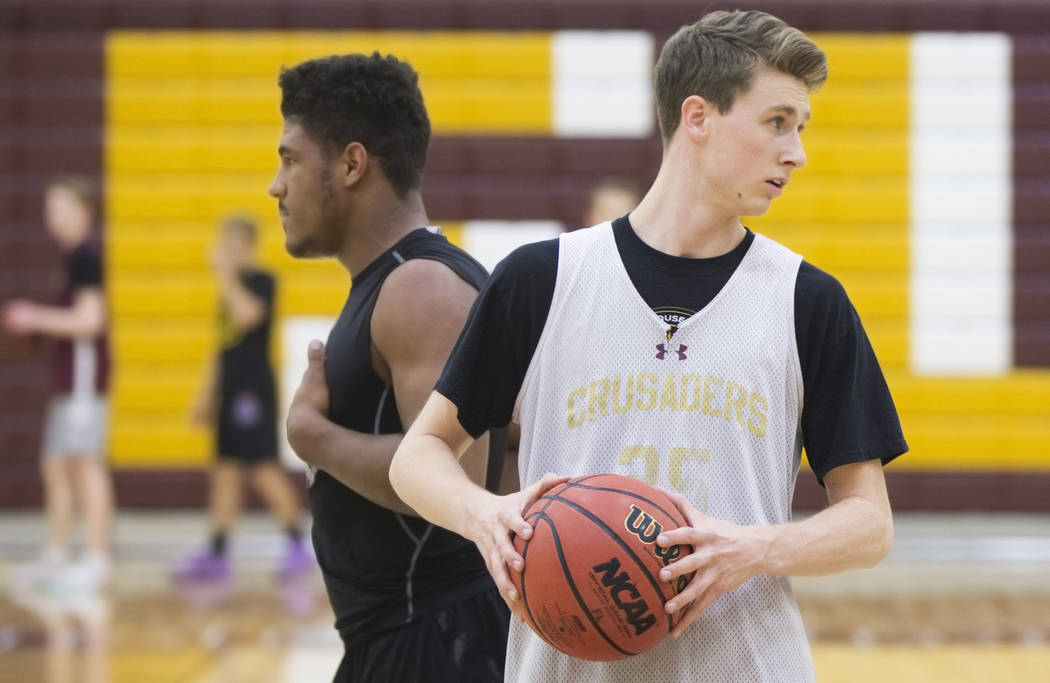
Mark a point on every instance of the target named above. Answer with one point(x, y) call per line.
point(676, 346)
point(413, 602)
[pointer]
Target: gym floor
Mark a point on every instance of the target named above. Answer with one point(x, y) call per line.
point(961, 598)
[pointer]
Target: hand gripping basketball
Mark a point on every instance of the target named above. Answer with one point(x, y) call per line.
point(726, 555)
point(495, 522)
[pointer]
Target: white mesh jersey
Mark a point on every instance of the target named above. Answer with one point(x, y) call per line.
point(713, 412)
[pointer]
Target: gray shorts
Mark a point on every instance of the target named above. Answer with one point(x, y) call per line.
point(75, 426)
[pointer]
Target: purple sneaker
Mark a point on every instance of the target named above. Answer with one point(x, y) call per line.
point(202, 566)
point(296, 561)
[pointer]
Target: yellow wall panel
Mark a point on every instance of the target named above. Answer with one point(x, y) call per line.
point(1021, 394)
point(977, 441)
point(146, 443)
point(453, 232)
point(192, 123)
point(855, 153)
point(866, 57)
point(143, 347)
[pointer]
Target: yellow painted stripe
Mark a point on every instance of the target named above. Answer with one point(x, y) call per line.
point(1019, 394)
point(145, 442)
point(846, 211)
point(454, 232)
point(493, 82)
point(192, 119)
point(865, 57)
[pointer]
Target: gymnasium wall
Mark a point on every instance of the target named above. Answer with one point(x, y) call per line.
point(927, 192)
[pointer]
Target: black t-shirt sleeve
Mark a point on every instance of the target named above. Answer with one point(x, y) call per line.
point(262, 285)
point(85, 269)
point(487, 366)
point(848, 414)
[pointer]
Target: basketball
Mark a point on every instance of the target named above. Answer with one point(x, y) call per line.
point(591, 585)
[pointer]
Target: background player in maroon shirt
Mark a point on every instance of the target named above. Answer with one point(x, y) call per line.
point(72, 465)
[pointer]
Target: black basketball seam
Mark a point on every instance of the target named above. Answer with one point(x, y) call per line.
point(539, 514)
point(579, 598)
point(581, 485)
point(524, 598)
point(652, 582)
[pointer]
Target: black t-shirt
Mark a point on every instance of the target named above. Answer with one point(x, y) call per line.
point(383, 569)
point(244, 359)
point(847, 415)
point(83, 270)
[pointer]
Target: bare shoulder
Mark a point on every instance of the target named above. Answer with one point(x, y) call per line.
point(420, 297)
point(425, 286)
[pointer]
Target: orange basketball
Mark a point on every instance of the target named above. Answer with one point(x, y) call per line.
point(591, 585)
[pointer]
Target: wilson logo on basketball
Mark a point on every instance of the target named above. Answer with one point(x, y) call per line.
point(633, 606)
point(642, 525)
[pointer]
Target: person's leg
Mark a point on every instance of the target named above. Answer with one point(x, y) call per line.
point(466, 641)
point(224, 506)
point(483, 621)
point(96, 501)
point(58, 506)
point(225, 495)
point(94, 498)
point(273, 485)
point(57, 478)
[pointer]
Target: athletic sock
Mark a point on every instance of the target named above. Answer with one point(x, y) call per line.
point(218, 543)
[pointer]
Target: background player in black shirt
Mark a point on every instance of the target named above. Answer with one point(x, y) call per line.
point(238, 401)
point(412, 601)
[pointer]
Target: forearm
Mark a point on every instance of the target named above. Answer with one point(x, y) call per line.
point(68, 323)
point(359, 461)
point(427, 475)
point(244, 308)
point(853, 533)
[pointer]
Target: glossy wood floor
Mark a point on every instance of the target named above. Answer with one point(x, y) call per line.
point(960, 600)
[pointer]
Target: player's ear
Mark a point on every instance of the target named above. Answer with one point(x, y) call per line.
point(696, 114)
point(353, 164)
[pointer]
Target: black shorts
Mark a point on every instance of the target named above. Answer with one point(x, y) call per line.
point(247, 428)
point(464, 643)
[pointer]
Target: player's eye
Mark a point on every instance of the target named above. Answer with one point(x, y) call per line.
point(777, 122)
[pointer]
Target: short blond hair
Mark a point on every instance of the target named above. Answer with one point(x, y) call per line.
point(717, 57)
point(81, 186)
point(242, 224)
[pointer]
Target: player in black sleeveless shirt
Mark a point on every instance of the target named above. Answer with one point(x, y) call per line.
point(413, 601)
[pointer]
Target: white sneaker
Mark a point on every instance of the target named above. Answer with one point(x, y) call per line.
point(39, 572)
point(87, 575)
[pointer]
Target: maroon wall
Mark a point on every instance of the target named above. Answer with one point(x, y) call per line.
point(1031, 72)
point(51, 121)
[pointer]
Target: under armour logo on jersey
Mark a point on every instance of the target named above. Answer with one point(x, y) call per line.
point(661, 351)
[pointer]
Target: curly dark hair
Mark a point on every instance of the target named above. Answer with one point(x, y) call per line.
point(371, 99)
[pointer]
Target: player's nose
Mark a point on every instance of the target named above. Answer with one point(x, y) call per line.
point(793, 154)
point(277, 188)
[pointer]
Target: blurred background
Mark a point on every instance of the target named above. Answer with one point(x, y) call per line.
point(927, 194)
